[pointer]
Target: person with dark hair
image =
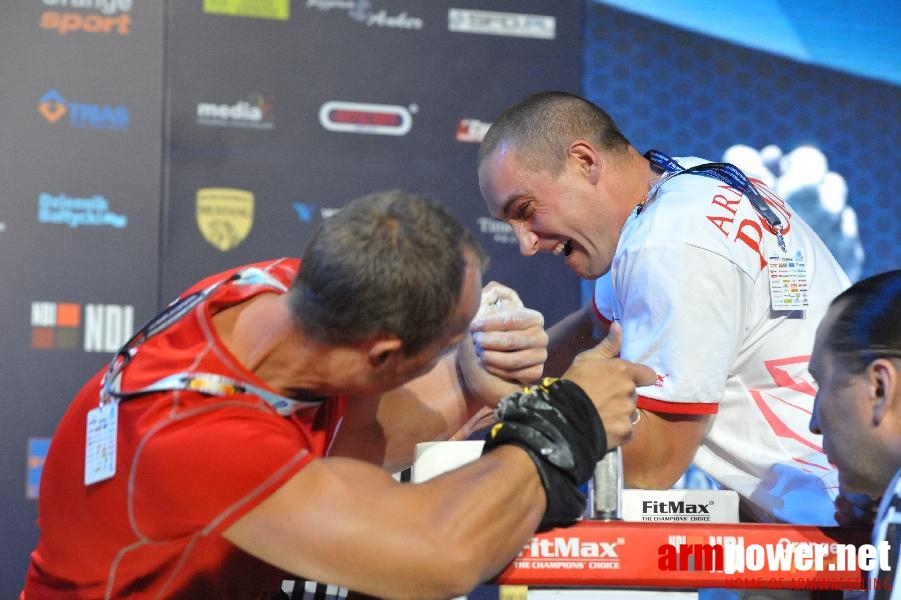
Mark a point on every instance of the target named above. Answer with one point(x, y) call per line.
point(717, 283)
point(856, 361)
point(249, 432)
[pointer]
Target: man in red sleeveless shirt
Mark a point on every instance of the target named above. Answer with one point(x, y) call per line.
point(248, 433)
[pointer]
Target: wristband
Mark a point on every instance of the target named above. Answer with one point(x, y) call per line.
point(556, 423)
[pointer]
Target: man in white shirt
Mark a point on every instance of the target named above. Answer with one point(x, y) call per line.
point(717, 283)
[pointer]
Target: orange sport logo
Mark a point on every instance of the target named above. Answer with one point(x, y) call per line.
point(89, 16)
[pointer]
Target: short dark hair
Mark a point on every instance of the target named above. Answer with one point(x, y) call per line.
point(867, 322)
point(389, 262)
point(540, 127)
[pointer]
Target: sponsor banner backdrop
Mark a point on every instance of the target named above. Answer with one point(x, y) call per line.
point(80, 139)
point(279, 121)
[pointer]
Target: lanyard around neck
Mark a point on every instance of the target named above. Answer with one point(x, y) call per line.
point(728, 174)
point(205, 383)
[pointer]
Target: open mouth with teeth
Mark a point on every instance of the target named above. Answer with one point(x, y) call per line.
point(563, 248)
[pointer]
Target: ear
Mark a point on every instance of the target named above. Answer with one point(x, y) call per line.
point(883, 379)
point(586, 160)
point(383, 350)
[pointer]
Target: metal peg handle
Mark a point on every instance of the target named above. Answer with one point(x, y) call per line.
point(607, 487)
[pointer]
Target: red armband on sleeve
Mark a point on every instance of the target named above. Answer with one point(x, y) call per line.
point(676, 408)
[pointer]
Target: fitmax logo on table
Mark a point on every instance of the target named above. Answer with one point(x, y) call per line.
point(82, 115)
point(77, 212)
point(113, 16)
point(66, 325)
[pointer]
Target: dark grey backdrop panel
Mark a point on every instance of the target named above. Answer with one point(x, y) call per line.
point(298, 170)
point(80, 137)
point(685, 93)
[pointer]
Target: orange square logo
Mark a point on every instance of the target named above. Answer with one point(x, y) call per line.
point(68, 314)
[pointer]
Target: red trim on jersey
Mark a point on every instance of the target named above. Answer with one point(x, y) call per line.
point(676, 408)
point(597, 312)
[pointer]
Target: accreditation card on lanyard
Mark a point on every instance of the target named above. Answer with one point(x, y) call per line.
point(103, 420)
point(100, 443)
point(788, 266)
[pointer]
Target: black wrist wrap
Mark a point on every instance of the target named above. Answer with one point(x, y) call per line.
point(558, 425)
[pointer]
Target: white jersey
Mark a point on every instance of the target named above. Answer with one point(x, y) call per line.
point(690, 284)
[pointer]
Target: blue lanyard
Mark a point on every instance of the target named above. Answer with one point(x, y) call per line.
point(728, 174)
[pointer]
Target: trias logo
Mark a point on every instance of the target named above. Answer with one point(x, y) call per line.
point(254, 113)
point(114, 16)
point(471, 130)
point(359, 117)
point(58, 325)
point(54, 107)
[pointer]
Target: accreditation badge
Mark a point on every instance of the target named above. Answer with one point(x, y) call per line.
point(788, 280)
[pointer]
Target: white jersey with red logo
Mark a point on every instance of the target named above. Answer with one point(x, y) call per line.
point(690, 284)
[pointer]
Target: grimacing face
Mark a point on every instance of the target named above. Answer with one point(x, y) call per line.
point(562, 215)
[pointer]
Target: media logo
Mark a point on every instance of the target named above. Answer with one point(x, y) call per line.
point(37, 454)
point(471, 130)
point(76, 212)
point(58, 326)
point(53, 107)
point(363, 12)
point(113, 16)
point(359, 117)
point(254, 113)
point(224, 216)
point(276, 10)
point(461, 20)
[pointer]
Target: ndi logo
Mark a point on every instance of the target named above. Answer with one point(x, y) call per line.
point(57, 325)
point(75, 212)
point(53, 107)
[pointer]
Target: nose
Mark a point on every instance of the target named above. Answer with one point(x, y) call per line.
point(528, 241)
point(814, 424)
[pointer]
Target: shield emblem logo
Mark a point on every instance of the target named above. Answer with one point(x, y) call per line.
point(224, 216)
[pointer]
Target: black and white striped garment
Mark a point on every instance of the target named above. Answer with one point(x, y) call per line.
point(311, 590)
point(888, 528)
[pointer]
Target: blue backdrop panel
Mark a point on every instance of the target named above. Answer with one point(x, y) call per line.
point(689, 94)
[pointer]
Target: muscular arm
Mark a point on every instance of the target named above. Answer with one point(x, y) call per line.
point(350, 524)
point(570, 335)
point(511, 351)
point(661, 448)
point(662, 445)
